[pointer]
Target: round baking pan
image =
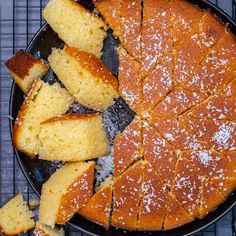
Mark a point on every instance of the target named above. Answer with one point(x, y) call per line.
point(37, 171)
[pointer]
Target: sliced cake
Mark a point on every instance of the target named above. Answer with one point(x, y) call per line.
point(127, 197)
point(73, 137)
point(44, 230)
point(217, 106)
point(44, 101)
point(176, 102)
point(211, 198)
point(76, 26)
point(127, 146)
point(217, 69)
point(85, 77)
point(220, 134)
point(159, 153)
point(110, 10)
point(156, 33)
point(185, 17)
point(15, 217)
point(154, 201)
point(187, 186)
point(124, 17)
point(130, 80)
point(98, 208)
point(25, 69)
point(158, 83)
point(178, 135)
point(65, 192)
point(176, 215)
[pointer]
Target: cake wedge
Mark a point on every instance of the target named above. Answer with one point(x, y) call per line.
point(85, 77)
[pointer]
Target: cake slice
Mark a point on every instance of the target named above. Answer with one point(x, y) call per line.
point(195, 47)
point(159, 153)
point(98, 209)
point(130, 80)
point(211, 198)
point(220, 134)
point(184, 18)
point(127, 146)
point(154, 201)
point(220, 169)
point(65, 192)
point(124, 17)
point(178, 135)
point(176, 102)
point(217, 69)
point(25, 69)
point(111, 12)
point(76, 26)
point(215, 107)
point(158, 83)
point(187, 186)
point(85, 77)
point(15, 217)
point(156, 33)
point(176, 215)
point(44, 101)
point(73, 137)
point(127, 197)
point(44, 230)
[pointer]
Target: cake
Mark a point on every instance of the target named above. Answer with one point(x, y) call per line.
point(44, 101)
point(127, 146)
point(98, 208)
point(65, 192)
point(25, 69)
point(15, 217)
point(44, 230)
point(124, 17)
point(76, 26)
point(86, 77)
point(127, 196)
point(175, 162)
point(130, 89)
point(73, 137)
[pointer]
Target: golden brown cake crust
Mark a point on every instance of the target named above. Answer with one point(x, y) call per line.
point(126, 200)
point(21, 63)
point(21, 115)
point(127, 146)
point(78, 195)
point(99, 207)
point(73, 116)
point(94, 65)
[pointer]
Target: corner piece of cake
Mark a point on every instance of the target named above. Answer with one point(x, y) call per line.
point(66, 191)
point(25, 69)
point(44, 230)
point(98, 208)
point(15, 217)
point(44, 101)
point(73, 137)
point(86, 77)
point(76, 26)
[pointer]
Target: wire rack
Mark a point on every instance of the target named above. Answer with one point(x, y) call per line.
point(20, 20)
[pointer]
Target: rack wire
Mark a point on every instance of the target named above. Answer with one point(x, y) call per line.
point(19, 21)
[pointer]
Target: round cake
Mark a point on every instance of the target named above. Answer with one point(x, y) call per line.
point(176, 161)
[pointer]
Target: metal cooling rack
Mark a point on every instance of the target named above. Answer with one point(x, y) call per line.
point(19, 21)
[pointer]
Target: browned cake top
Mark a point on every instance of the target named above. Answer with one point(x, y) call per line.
point(94, 65)
point(21, 63)
point(77, 195)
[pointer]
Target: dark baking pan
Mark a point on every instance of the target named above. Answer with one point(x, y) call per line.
point(116, 118)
